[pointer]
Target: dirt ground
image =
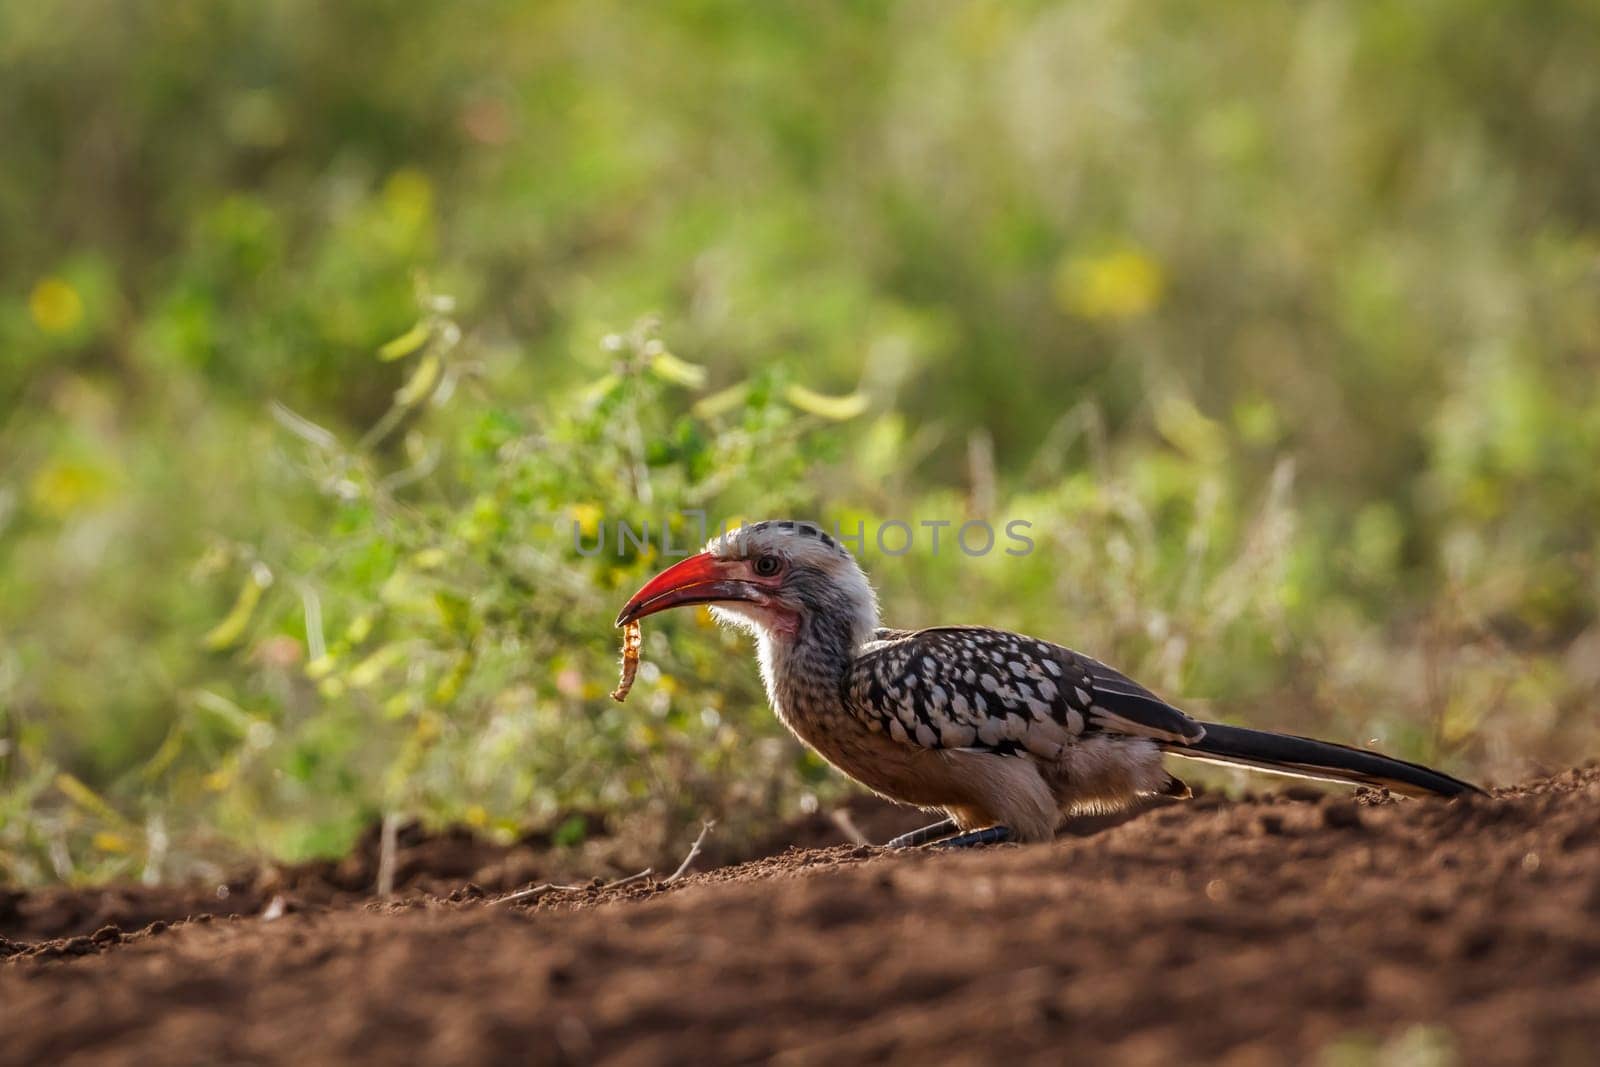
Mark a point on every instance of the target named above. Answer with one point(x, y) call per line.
point(1293, 927)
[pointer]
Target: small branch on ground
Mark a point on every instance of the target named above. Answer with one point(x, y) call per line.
point(387, 846)
point(632, 878)
point(847, 826)
point(535, 892)
point(694, 853)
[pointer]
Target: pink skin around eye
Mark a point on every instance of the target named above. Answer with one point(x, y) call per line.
point(771, 612)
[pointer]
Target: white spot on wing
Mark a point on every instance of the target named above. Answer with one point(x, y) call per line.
point(957, 736)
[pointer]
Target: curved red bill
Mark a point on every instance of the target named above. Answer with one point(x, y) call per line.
point(702, 579)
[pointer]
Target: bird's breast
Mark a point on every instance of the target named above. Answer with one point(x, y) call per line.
point(851, 745)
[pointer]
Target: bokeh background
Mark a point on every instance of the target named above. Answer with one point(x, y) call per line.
point(320, 324)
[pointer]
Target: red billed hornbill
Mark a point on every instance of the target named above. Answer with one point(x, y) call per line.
point(1003, 733)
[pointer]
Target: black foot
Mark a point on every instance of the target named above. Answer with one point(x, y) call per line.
point(942, 828)
point(989, 835)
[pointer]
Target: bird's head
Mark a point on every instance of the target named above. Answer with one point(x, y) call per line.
point(773, 578)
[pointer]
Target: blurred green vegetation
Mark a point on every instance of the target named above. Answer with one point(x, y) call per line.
point(320, 324)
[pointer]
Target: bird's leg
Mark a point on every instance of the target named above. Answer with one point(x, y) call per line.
point(989, 835)
point(942, 828)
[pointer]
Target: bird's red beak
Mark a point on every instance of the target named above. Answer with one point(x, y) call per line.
point(702, 579)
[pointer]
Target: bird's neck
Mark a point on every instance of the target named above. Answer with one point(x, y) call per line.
point(804, 671)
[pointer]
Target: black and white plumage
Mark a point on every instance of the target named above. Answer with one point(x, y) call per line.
point(1004, 733)
point(971, 687)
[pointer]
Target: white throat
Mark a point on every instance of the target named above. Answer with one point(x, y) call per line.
point(803, 653)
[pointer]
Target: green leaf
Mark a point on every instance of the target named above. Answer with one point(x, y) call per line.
point(722, 401)
point(834, 408)
point(1188, 430)
point(369, 670)
point(226, 633)
point(571, 832)
point(406, 343)
point(455, 613)
point(421, 384)
point(449, 686)
point(670, 368)
point(87, 798)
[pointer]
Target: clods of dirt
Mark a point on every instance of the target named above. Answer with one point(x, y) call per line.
point(1276, 929)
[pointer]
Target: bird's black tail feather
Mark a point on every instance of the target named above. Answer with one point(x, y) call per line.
point(1302, 757)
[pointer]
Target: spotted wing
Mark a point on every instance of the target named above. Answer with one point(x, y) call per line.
point(976, 688)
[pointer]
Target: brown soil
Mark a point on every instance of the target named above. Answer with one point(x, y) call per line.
point(1269, 930)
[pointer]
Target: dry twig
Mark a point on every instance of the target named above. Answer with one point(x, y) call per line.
point(632, 878)
point(388, 844)
point(694, 853)
point(847, 826)
point(535, 892)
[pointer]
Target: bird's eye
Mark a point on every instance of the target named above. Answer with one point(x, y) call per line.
point(767, 566)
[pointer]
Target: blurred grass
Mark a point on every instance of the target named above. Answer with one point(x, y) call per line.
point(1279, 323)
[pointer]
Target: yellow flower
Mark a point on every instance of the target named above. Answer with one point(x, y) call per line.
point(408, 196)
point(588, 517)
point(1117, 285)
point(55, 306)
point(428, 559)
point(219, 780)
point(106, 841)
point(65, 485)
